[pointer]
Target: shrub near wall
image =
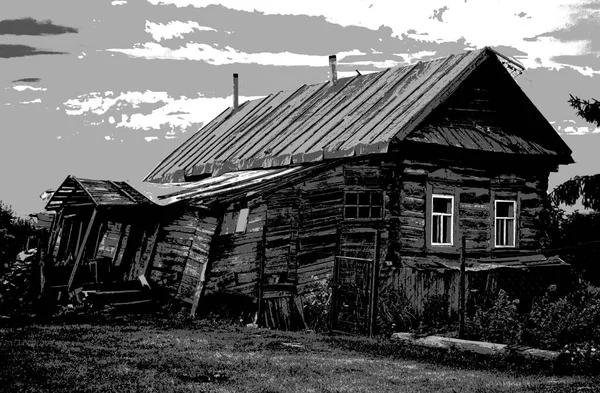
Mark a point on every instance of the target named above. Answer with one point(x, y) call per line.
point(569, 324)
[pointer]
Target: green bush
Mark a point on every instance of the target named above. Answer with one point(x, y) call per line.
point(317, 306)
point(498, 322)
point(555, 322)
point(436, 315)
point(394, 313)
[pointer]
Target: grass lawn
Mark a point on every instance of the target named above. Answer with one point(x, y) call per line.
point(157, 356)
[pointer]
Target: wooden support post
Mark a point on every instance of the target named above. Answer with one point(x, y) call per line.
point(205, 267)
point(54, 232)
point(199, 288)
point(261, 271)
point(462, 294)
point(81, 250)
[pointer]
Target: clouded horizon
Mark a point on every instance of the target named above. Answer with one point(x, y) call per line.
point(106, 89)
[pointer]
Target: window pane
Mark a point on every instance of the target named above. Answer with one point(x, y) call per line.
point(376, 212)
point(363, 212)
point(447, 229)
point(505, 209)
point(363, 198)
point(242, 220)
point(350, 212)
point(376, 198)
point(435, 231)
point(442, 205)
point(510, 240)
point(499, 232)
point(351, 198)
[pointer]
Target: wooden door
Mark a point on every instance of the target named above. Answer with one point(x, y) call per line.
point(354, 282)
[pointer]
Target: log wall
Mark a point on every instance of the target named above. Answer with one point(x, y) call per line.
point(235, 264)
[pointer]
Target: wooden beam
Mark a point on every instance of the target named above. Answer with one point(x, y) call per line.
point(81, 250)
point(204, 268)
point(199, 288)
point(53, 233)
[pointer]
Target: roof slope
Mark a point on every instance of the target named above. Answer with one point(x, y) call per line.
point(78, 192)
point(358, 115)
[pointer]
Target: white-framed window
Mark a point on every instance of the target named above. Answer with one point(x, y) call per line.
point(363, 205)
point(442, 213)
point(505, 223)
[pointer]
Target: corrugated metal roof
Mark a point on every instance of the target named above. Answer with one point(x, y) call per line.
point(86, 192)
point(359, 115)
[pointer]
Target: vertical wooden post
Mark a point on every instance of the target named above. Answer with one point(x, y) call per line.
point(261, 273)
point(374, 280)
point(81, 250)
point(462, 294)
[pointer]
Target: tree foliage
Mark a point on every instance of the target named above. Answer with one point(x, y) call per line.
point(586, 109)
point(585, 187)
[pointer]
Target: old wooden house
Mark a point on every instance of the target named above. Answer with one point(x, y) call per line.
point(369, 183)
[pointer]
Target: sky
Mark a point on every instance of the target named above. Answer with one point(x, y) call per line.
point(106, 89)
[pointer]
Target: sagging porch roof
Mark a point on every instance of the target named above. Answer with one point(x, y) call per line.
point(78, 192)
point(521, 262)
point(230, 186)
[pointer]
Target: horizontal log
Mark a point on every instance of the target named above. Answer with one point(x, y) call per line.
point(480, 347)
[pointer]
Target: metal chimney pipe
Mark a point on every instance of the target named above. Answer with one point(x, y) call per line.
point(235, 92)
point(333, 66)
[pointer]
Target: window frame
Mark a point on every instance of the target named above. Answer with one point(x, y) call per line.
point(358, 205)
point(433, 214)
point(514, 218)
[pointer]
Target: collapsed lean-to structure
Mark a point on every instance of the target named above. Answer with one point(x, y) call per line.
point(369, 182)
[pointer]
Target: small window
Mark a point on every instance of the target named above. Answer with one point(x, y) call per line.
point(242, 220)
point(235, 221)
point(363, 205)
point(505, 223)
point(442, 210)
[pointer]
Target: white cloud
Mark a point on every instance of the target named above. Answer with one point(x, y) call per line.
point(27, 87)
point(177, 113)
point(150, 138)
point(36, 101)
point(481, 23)
point(228, 55)
point(173, 29)
point(581, 130)
point(119, 2)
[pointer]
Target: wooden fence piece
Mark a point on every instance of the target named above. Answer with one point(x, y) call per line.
point(81, 250)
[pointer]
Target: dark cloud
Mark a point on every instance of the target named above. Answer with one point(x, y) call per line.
point(27, 80)
point(523, 15)
point(413, 31)
point(8, 51)
point(30, 26)
point(590, 60)
point(439, 13)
